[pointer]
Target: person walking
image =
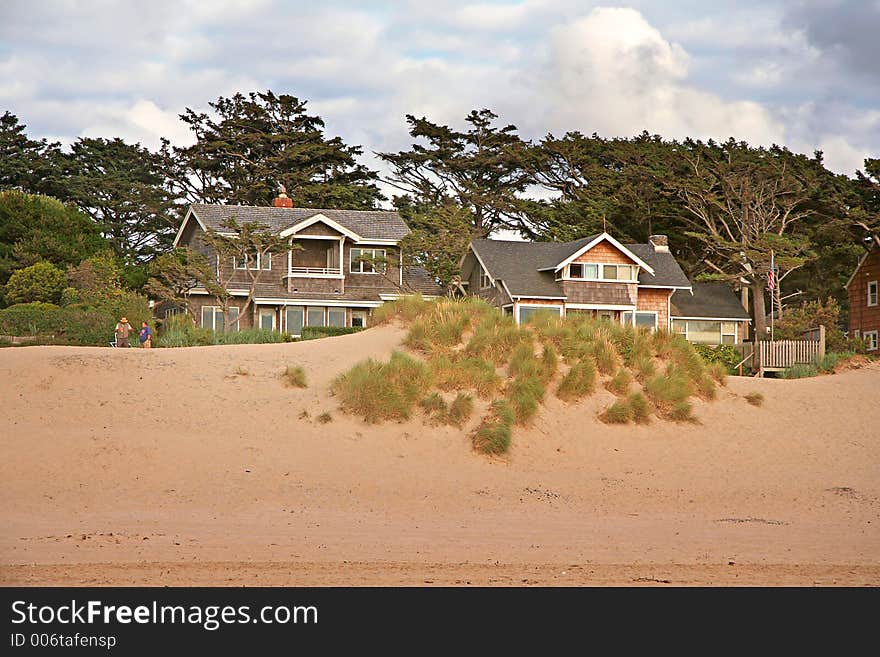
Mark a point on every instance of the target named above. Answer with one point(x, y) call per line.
point(123, 329)
point(146, 336)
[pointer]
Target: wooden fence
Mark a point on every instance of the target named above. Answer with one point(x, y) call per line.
point(775, 355)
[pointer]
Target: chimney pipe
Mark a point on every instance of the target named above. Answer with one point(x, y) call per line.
point(660, 243)
point(282, 200)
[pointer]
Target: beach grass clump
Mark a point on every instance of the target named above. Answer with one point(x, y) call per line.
point(643, 367)
point(663, 342)
point(620, 383)
point(605, 355)
point(682, 411)
point(457, 371)
point(668, 389)
point(294, 376)
point(579, 382)
point(493, 434)
point(378, 391)
point(640, 408)
point(406, 308)
point(755, 398)
point(434, 404)
point(799, 371)
point(494, 339)
point(460, 410)
point(718, 371)
point(618, 413)
point(524, 394)
point(705, 387)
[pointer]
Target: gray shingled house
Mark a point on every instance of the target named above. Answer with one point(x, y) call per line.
point(601, 277)
point(328, 281)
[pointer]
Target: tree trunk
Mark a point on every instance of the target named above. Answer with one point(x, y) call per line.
point(758, 308)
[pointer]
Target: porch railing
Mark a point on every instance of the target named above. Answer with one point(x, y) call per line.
point(314, 271)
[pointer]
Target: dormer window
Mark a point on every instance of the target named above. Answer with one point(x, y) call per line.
point(485, 281)
point(586, 271)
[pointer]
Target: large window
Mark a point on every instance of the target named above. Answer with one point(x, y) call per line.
point(527, 312)
point(294, 319)
point(212, 318)
point(315, 316)
point(588, 271)
point(646, 319)
point(267, 319)
point(367, 261)
point(254, 261)
point(870, 338)
point(872, 293)
point(706, 331)
point(336, 317)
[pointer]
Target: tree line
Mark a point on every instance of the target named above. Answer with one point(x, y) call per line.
point(725, 205)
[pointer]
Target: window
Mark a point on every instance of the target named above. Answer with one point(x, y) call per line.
point(294, 320)
point(706, 331)
point(212, 318)
point(648, 319)
point(591, 272)
point(315, 316)
point(336, 317)
point(870, 338)
point(527, 312)
point(485, 281)
point(254, 261)
point(872, 293)
point(267, 320)
point(363, 261)
point(359, 318)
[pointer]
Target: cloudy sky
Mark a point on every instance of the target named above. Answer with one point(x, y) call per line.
point(803, 73)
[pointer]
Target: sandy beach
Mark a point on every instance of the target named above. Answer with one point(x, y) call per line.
point(199, 467)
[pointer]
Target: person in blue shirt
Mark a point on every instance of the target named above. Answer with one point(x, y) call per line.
point(146, 336)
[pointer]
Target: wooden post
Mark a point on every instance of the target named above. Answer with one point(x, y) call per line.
point(821, 341)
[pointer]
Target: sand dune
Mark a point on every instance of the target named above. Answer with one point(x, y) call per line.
point(197, 466)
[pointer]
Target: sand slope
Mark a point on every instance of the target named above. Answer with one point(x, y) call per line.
point(166, 467)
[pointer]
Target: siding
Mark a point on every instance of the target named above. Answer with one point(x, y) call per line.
point(655, 300)
point(863, 317)
point(605, 253)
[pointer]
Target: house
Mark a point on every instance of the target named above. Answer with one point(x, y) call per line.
point(864, 299)
point(600, 277)
point(709, 314)
point(341, 265)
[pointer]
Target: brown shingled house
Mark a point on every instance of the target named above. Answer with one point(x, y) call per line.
point(601, 277)
point(864, 299)
point(328, 281)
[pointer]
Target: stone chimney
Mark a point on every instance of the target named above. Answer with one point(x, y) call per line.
point(660, 243)
point(283, 200)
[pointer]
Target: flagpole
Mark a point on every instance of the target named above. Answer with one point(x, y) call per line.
point(772, 296)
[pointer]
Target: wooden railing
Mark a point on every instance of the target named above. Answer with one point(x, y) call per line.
point(785, 353)
point(314, 271)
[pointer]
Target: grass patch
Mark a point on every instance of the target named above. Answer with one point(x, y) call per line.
point(493, 434)
point(755, 398)
point(406, 308)
point(379, 391)
point(495, 338)
point(640, 408)
point(607, 360)
point(718, 371)
point(618, 413)
point(579, 382)
point(828, 363)
point(682, 411)
point(799, 371)
point(458, 371)
point(644, 368)
point(620, 383)
point(460, 410)
point(294, 376)
point(525, 394)
point(324, 418)
point(433, 403)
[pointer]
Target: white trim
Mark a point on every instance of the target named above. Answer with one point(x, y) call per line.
point(378, 242)
point(361, 263)
point(643, 312)
point(507, 290)
point(266, 301)
point(597, 306)
point(305, 223)
point(232, 293)
point(600, 268)
point(607, 238)
point(667, 287)
point(866, 334)
point(711, 319)
point(532, 296)
point(876, 293)
point(189, 212)
point(260, 316)
point(721, 333)
point(314, 237)
point(859, 266)
point(396, 295)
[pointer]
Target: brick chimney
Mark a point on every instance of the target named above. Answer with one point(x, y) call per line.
point(660, 243)
point(283, 200)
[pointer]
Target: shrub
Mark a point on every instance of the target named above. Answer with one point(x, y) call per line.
point(493, 434)
point(579, 382)
point(315, 332)
point(620, 383)
point(41, 282)
point(809, 315)
point(640, 408)
point(248, 336)
point(799, 371)
point(618, 413)
point(724, 354)
point(705, 387)
point(31, 319)
point(460, 372)
point(755, 398)
point(829, 362)
point(180, 331)
point(460, 410)
point(667, 389)
point(382, 391)
point(294, 376)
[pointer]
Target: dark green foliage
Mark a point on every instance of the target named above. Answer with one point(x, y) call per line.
point(725, 354)
point(314, 332)
point(799, 371)
point(31, 319)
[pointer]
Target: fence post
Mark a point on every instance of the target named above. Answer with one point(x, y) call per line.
point(821, 341)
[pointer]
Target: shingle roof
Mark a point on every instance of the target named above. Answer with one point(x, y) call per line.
point(417, 279)
point(714, 299)
point(517, 264)
point(369, 224)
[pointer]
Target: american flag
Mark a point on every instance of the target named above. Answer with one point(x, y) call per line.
point(771, 275)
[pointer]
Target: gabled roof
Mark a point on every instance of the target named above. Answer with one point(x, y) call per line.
point(712, 300)
point(859, 265)
point(523, 266)
point(574, 249)
point(380, 225)
point(324, 219)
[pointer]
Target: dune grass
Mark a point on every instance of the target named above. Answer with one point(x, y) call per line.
point(579, 382)
point(457, 371)
point(620, 383)
point(494, 433)
point(294, 376)
point(618, 413)
point(755, 398)
point(640, 408)
point(460, 410)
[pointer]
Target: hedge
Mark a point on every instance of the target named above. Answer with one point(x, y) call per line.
point(314, 332)
point(31, 319)
point(726, 354)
